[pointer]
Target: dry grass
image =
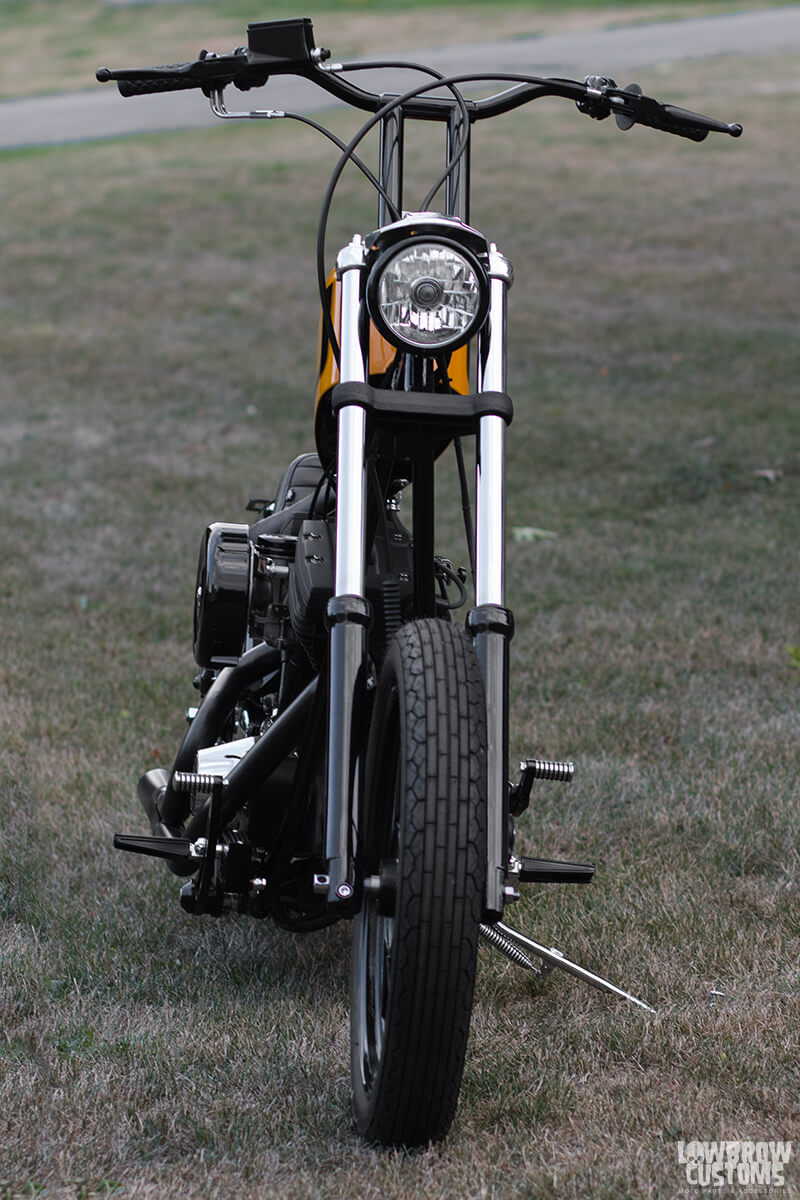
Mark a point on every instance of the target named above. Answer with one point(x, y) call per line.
point(151, 381)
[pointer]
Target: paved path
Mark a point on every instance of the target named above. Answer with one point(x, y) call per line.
point(102, 112)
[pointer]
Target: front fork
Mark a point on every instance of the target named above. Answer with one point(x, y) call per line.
point(489, 622)
point(348, 611)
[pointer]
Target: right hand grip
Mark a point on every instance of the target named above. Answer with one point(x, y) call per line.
point(643, 110)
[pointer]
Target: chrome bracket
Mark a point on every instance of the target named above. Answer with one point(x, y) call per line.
point(257, 114)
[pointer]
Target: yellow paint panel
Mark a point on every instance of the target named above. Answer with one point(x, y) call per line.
point(381, 357)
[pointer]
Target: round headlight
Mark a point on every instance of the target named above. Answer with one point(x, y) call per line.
point(427, 296)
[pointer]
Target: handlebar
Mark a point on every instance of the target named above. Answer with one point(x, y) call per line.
point(287, 47)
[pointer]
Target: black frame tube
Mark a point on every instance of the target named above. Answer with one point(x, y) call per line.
point(422, 508)
point(254, 768)
point(207, 726)
point(457, 187)
point(390, 170)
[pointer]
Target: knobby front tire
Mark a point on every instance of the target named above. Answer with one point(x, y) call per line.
point(423, 832)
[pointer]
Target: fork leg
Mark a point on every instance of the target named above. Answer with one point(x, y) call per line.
point(348, 612)
point(490, 623)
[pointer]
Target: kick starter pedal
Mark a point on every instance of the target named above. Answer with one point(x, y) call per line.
point(536, 768)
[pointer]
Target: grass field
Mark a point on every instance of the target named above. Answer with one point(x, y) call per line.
point(157, 326)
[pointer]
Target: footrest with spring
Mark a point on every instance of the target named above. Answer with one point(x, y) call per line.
point(536, 768)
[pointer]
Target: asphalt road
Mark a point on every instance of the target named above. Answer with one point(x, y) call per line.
point(101, 112)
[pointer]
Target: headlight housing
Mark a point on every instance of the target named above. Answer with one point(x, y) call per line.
point(427, 294)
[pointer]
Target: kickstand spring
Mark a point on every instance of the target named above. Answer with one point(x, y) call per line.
point(492, 935)
point(524, 946)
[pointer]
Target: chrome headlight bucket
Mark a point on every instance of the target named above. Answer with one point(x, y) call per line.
point(428, 294)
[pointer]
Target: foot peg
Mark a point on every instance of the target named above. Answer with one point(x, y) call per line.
point(518, 948)
point(537, 768)
point(155, 847)
point(545, 870)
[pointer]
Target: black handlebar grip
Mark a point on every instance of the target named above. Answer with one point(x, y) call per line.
point(693, 132)
point(154, 84)
point(643, 110)
point(175, 78)
point(682, 117)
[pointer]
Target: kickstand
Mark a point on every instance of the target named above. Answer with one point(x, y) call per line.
point(518, 947)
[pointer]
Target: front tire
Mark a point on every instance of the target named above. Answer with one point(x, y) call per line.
point(422, 833)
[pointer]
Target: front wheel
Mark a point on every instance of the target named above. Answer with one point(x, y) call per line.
point(422, 835)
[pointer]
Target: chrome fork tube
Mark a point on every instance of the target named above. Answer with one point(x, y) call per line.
point(350, 488)
point(348, 613)
point(490, 509)
point(490, 481)
point(490, 622)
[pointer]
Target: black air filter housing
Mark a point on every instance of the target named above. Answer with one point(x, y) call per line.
point(222, 595)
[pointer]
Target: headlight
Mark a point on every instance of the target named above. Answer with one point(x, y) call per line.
point(427, 296)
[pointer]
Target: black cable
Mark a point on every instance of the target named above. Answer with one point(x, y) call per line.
point(444, 573)
point(459, 99)
point(313, 509)
point(390, 106)
point(466, 509)
point(541, 87)
point(362, 166)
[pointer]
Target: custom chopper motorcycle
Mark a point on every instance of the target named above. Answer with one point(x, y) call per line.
point(348, 757)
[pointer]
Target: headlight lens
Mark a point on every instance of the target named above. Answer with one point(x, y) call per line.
point(427, 296)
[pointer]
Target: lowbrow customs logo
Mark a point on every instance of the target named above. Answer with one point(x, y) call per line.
point(756, 1166)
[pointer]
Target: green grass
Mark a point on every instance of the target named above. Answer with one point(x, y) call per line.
point(157, 334)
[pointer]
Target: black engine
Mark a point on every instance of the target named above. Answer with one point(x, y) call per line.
point(271, 581)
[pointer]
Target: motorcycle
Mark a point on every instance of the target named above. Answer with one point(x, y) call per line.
point(348, 756)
